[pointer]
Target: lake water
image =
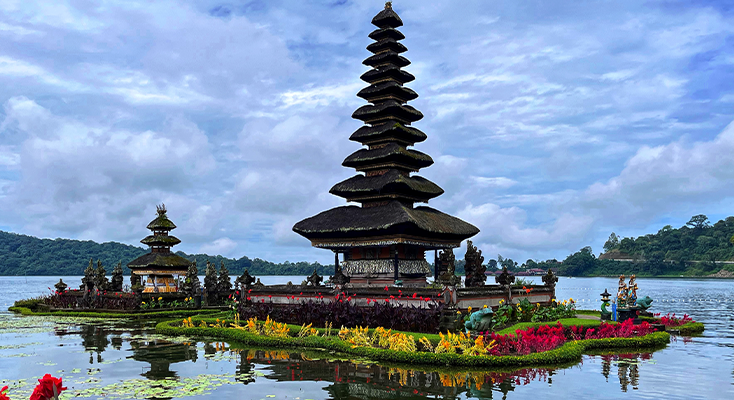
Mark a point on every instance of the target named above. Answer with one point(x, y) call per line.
point(112, 359)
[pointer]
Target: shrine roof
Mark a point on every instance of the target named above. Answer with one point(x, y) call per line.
point(392, 218)
point(390, 183)
point(159, 260)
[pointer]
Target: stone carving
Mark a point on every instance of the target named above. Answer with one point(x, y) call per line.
point(137, 287)
point(550, 279)
point(339, 279)
point(245, 280)
point(224, 284)
point(61, 287)
point(505, 278)
point(314, 279)
point(258, 284)
point(645, 303)
point(446, 264)
point(474, 269)
point(100, 280)
point(210, 283)
point(116, 283)
point(191, 281)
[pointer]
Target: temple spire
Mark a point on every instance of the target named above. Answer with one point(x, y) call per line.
point(385, 238)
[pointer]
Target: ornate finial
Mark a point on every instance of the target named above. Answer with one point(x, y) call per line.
point(388, 5)
point(161, 209)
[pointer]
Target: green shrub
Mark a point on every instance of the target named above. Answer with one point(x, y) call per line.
point(569, 352)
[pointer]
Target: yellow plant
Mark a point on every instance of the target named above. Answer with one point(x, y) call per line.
point(307, 330)
point(427, 346)
point(328, 329)
point(187, 323)
point(275, 329)
point(202, 324)
point(402, 342)
point(382, 337)
point(251, 325)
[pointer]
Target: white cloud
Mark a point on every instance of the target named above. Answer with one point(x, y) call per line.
point(223, 246)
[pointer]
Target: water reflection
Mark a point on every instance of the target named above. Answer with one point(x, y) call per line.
point(347, 378)
point(627, 365)
point(360, 379)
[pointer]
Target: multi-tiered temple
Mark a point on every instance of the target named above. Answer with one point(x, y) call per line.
point(385, 238)
point(160, 264)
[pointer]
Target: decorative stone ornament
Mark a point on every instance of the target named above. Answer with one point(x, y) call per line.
point(61, 286)
point(550, 279)
point(475, 275)
point(505, 278)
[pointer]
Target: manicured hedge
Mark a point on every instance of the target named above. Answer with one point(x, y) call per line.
point(141, 315)
point(571, 351)
point(690, 328)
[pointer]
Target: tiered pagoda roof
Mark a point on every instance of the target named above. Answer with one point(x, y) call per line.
point(160, 259)
point(385, 188)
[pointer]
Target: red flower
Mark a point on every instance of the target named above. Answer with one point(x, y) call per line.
point(428, 299)
point(270, 296)
point(45, 388)
point(3, 393)
point(414, 294)
point(386, 288)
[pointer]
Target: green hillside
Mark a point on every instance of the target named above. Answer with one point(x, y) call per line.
point(695, 249)
point(28, 255)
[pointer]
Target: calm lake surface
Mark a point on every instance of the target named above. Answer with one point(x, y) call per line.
point(112, 359)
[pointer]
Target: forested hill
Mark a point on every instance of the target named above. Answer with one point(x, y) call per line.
point(697, 248)
point(28, 255)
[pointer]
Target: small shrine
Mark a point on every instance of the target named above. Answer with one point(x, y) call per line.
point(384, 239)
point(160, 265)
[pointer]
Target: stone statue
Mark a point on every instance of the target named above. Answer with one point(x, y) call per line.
point(621, 293)
point(645, 303)
point(224, 284)
point(474, 269)
point(632, 292)
point(136, 286)
point(480, 321)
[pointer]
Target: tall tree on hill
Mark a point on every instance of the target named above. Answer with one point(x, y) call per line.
point(612, 242)
point(698, 222)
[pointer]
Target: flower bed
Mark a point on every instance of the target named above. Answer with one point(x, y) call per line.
point(529, 347)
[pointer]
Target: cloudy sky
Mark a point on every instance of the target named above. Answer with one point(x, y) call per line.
point(552, 123)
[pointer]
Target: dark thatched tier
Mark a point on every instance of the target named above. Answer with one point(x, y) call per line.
point(387, 110)
point(386, 58)
point(160, 240)
point(379, 34)
point(385, 73)
point(387, 44)
point(161, 223)
point(387, 18)
point(387, 90)
point(388, 131)
point(160, 261)
point(393, 153)
point(392, 184)
point(391, 220)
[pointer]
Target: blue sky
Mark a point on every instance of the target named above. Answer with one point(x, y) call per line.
point(552, 123)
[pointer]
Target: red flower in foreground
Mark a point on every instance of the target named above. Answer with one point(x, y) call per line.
point(386, 288)
point(4, 394)
point(45, 389)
